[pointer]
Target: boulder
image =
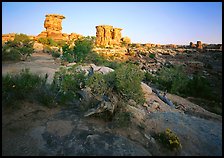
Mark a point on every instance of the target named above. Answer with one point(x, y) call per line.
point(38, 47)
point(146, 90)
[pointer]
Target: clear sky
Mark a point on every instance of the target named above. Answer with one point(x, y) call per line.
point(143, 22)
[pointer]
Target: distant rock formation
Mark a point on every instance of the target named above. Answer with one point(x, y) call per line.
point(126, 40)
point(192, 45)
point(7, 37)
point(53, 25)
point(199, 45)
point(106, 35)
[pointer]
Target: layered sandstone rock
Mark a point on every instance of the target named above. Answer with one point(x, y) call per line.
point(116, 36)
point(74, 36)
point(53, 25)
point(7, 37)
point(126, 40)
point(199, 45)
point(106, 35)
point(192, 45)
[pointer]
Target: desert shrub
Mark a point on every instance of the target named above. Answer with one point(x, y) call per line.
point(43, 41)
point(20, 86)
point(66, 83)
point(128, 79)
point(98, 84)
point(68, 54)
point(176, 81)
point(47, 41)
point(152, 55)
point(199, 87)
point(82, 47)
point(169, 139)
point(51, 42)
point(61, 43)
point(45, 95)
point(47, 49)
point(55, 54)
point(122, 119)
point(18, 49)
point(100, 61)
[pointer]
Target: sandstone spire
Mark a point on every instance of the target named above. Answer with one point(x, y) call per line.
point(53, 25)
point(106, 35)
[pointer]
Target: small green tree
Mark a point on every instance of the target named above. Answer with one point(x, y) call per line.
point(82, 47)
point(128, 79)
point(18, 49)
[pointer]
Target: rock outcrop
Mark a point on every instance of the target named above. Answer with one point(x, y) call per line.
point(106, 35)
point(199, 45)
point(53, 25)
point(192, 45)
point(7, 37)
point(126, 40)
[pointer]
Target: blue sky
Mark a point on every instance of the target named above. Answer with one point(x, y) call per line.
point(143, 22)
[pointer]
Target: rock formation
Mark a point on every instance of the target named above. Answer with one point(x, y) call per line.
point(106, 35)
point(53, 25)
point(199, 45)
point(192, 45)
point(126, 40)
point(7, 37)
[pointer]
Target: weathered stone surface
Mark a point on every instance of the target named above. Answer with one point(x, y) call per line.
point(74, 36)
point(53, 22)
point(106, 35)
point(38, 47)
point(192, 45)
point(116, 36)
point(126, 40)
point(53, 25)
point(199, 45)
point(7, 37)
point(146, 90)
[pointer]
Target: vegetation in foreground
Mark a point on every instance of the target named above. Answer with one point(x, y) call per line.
point(169, 139)
point(18, 49)
point(174, 80)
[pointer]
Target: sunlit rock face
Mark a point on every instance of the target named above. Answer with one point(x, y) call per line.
point(106, 36)
point(199, 45)
point(7, 37)
point(53, 25)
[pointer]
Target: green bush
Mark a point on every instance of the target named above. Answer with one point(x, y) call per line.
point(68, 54)
point(18, 49)
point(199, 87)
point(55, 54)
point(66, 83)
point(61, 43)
point(47, 41)
point(82, 47)
point(42, 40)
point(98, 84)
point(176, 81)
point(45, 95)
point(152, 55)
point(169, 139)
point(20, 86)
point(122, 119)
point(128, 79)
point(100, 61)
